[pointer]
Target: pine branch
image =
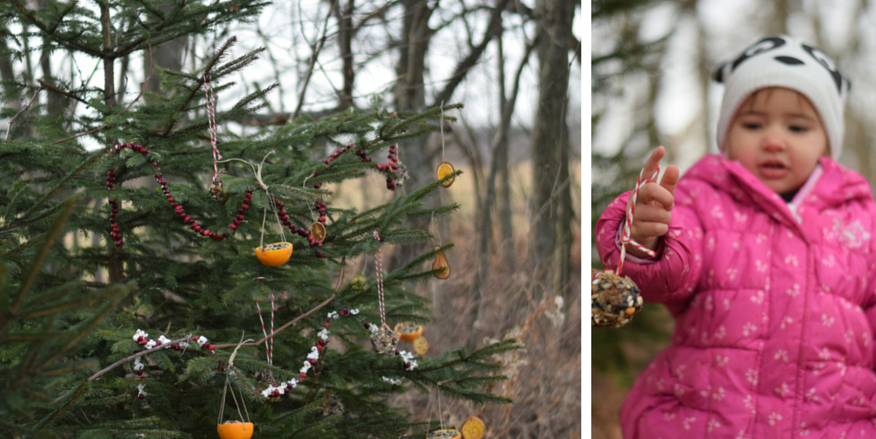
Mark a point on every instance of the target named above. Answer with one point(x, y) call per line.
point(286, 325)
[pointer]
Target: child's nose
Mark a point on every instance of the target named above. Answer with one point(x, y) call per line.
point(773, 140)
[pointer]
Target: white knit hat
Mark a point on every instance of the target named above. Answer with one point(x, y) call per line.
point(783, 61)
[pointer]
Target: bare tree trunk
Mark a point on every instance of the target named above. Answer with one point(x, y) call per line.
point(551, 196)
point(503, 164)
point(115, 265)
point(410, 96)
point(7, 74)
point(168, 55)
point(345, 38)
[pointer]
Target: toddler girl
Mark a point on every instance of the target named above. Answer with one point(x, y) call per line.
point(764, 257)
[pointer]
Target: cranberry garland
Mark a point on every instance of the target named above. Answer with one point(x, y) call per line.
point(114, 204)
point(392, 166)
point(301, 231)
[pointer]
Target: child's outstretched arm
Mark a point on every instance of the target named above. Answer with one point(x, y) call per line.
point(673, 231)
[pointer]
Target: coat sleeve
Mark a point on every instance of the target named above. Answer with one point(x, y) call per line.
point(672, 277)
point(870, 281)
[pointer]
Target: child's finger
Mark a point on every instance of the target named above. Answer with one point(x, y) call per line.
point(652, 213)
point(653, 192)
point(646, 232)
point(670, 179)
point(653, 161)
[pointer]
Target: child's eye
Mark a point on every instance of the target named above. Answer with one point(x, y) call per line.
point(751, 125)
point(799, 128)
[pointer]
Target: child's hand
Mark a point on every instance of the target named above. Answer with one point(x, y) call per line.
point(653, 206)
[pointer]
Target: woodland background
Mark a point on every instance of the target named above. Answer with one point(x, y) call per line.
point(515, 65)
point(650, 67)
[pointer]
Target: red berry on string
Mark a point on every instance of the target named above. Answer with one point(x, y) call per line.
point(210, 347)
point(141, 396)
point(233, 226)
point(196, 227)
point(142, 378)
point(322, 219)
point(407, 365)
point(344, 312)
point(366, 325)
point(319, 348)
point(326, 325)
point(280, 204)
point(317, 186)
point(312, 361)
point(303, 375)
point(139, 372)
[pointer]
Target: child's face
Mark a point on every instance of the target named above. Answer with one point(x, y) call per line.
point(777, 136)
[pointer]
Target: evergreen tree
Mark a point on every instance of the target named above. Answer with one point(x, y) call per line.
point(172, 343)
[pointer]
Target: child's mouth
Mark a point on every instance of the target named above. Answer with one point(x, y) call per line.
point(772, 169)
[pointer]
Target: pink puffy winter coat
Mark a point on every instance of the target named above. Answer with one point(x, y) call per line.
point(774, 308)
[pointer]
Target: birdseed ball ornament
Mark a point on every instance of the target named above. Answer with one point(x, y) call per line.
point(217, 185)
point(384, 340)
point(447, 433)
point(615, 299)
point(331, 405)
point(408, 331)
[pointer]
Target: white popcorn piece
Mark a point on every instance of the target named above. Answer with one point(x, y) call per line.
point(183, 344)
point(333, 315)
point(164, 340)
point(314, 354)
point(137, 364)
point(354, 311)
point(306, 367)
point(150, 344)
point(392, 381)
point(293, 382)
point(202, 340)
point(324, 334)
point(140, 333)
point(413, 364)
point(142, 389)
point(373, 328)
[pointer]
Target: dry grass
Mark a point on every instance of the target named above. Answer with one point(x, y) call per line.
point(545, 377)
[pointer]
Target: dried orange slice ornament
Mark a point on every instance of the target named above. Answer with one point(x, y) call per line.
point(441, 263)
point(421, 345)
point(274, 255)
point(317, 230)
point(445, 169)
point(444, 434)
point(473, 428)
point(409, 331)
point(235, 430)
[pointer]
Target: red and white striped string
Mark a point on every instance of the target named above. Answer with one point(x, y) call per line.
point(631, 210)
point(378, 267)
point(211, 123)
point(269, 341)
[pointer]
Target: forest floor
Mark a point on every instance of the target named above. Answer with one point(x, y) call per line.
point(544, 377)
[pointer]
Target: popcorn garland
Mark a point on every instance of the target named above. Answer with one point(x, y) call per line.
point(271, 392)
point(142, 338)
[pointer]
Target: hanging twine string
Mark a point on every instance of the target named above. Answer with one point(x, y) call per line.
point(441, 125)
point(211, 123)
point(378, 268)
point(229, 386)
point(628, 224)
